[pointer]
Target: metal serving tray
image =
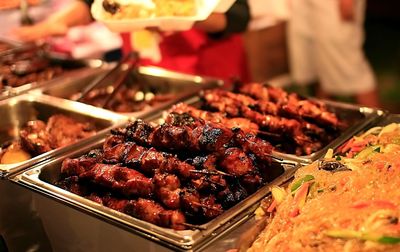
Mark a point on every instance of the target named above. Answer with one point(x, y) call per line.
point(42, 177)
point(357, 117)
point(161, 80)
point(16, 111)
point(391, 118)
point(76, 69)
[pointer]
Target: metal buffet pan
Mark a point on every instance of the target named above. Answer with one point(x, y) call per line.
point(156, 80)
point(356, 117)
point(42, 177)
point(74, 69)
point(16, 111)
point(391, 118)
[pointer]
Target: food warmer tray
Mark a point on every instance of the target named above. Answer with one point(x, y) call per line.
point(41, 178)
point(16, 111)
point(358, 117)
point(164, 81)
point(76, 68)
point(390, 118)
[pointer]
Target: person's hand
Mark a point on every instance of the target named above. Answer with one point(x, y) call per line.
point(346, 9)
point(39, 31)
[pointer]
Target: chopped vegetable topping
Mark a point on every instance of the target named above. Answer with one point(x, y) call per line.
point(351, 234)
point(300, 182)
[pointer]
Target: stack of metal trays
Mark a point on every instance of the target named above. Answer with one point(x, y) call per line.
point(17, 111)
point(21, 72)
point(144, 82)
point(41, 177)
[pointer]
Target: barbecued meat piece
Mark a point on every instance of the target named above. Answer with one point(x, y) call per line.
point(167, 190)
point(138, 131)
point(77, 166)
point(113, 140)
point(71, 184)
point(150, 211)
point(38, 138)
point(65, 130)
point(292, 105)
point(231, 196)
point(35, 138)
point(120, 179)
point(236, 162)
point(210, 207)
point(144, 209)
point(186, 113)
point(115, 154)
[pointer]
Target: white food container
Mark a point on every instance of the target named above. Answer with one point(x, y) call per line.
point(167, 23)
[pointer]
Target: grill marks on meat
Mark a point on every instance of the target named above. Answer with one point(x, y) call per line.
point(38, 137)
point(137, 164)
point(123, 180)
point(181, 110)
point(276, 111)
point(144, 209)
point(292, 104)
point(77, 166)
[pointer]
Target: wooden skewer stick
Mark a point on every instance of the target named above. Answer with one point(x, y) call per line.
point(213, 172)
point(205, 206)
point(266, 133)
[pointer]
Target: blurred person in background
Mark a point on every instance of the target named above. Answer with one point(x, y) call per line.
point(213, 47)
point(326, 46)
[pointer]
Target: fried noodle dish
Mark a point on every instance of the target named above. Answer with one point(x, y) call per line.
point(348, 202)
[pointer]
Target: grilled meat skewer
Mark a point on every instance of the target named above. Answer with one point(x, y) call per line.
point(292, 104)
point(245, 124)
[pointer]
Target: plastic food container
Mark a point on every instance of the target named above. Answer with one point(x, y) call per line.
point(165, 23)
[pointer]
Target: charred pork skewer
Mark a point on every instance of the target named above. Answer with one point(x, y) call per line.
point(182, 109)
point(144, 209)
point(206, 138)
point(262, 106)
point(76, 166)
point(242, 123)
point(123, 180)
point(290, 127)
point(150, 161)
point(292, 104)
point(129, 182)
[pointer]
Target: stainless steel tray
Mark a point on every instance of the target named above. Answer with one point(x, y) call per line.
point(357, 117)
point(16, 111)
point(161, 80)
point(42, 177)
point(391, 118)
point(78, 69)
